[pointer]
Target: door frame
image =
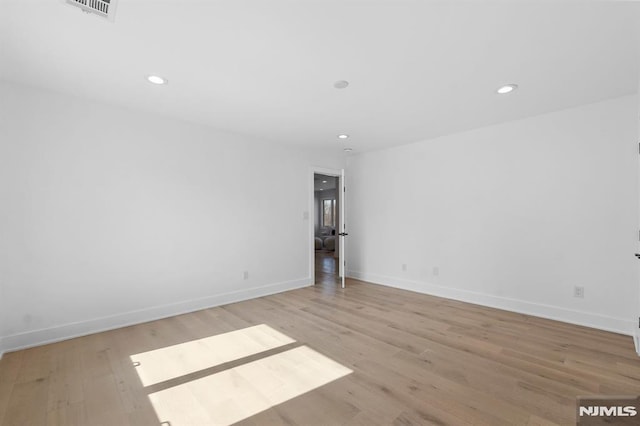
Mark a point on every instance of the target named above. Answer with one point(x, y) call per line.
point(312, 214)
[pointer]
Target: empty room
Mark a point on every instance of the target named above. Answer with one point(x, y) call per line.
point(319, 212)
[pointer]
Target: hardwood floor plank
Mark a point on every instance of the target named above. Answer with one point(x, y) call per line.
point(65, 379)
point(28, 403)
point(69, 415)
point(10, 365)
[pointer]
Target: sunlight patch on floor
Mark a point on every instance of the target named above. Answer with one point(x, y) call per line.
point(241, 392)
point(178, 360)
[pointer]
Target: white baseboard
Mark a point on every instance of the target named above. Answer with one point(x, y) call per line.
point(601, 322)
point(82, 328)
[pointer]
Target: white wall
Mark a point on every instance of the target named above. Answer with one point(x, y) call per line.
point(513, 215)
point(110, 216)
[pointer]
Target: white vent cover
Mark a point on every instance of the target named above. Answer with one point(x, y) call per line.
point(103, 8)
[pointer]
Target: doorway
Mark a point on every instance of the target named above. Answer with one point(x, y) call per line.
point(327, 260)
point(325, 225)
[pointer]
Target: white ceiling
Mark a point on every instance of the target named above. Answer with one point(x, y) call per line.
point(319, 182)
point(418, 69)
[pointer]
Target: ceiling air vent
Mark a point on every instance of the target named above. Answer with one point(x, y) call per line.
point(103, 8)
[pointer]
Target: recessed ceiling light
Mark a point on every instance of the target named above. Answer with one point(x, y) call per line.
point(507, 88)
point(321, 189)
point(343, 136)
point(341, 84)
point(348, 149)
point(324, 181)
point(155, 79)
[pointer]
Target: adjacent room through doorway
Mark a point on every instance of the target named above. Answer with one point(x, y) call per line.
point(326, 219)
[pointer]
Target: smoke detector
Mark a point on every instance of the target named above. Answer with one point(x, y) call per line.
point(103, 8)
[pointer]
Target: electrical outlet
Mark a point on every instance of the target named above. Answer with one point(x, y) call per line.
point(436, 271)
point(246, 275)
point(404, 267)
point(578, 292)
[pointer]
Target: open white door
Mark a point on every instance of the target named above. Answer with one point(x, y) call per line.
point(342, 227)
point(636, 333)
point(636, 325)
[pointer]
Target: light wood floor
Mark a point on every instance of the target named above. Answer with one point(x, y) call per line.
point(415, 360)
point(327, 270)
